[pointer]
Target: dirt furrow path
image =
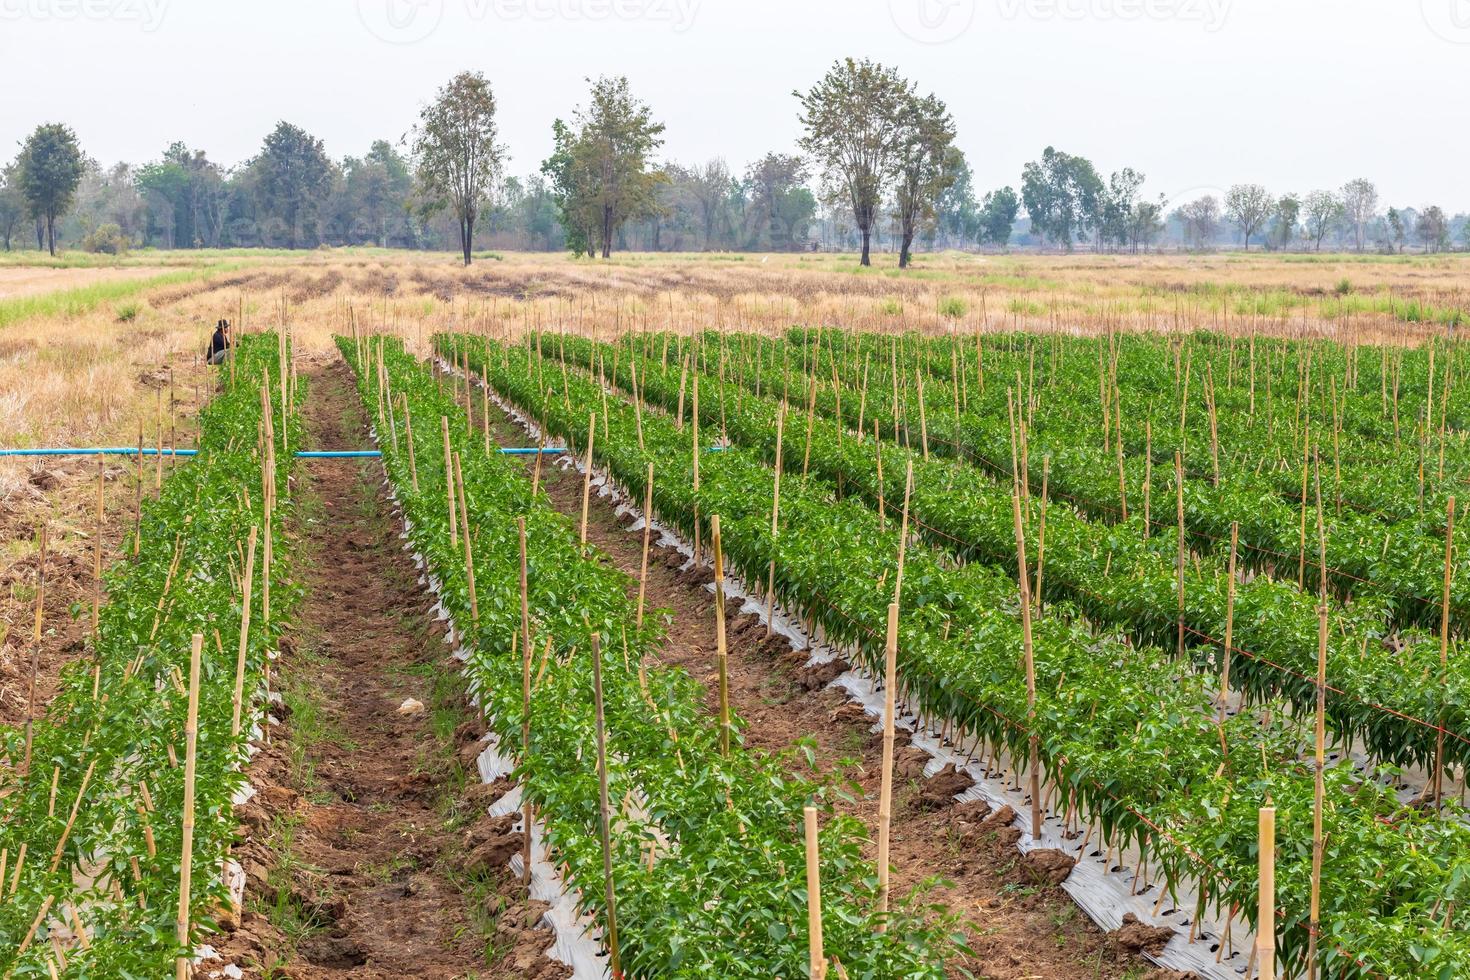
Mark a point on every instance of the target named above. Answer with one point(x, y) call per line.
point(363, 852)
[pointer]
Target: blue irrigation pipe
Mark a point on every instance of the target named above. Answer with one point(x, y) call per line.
point(306, 454)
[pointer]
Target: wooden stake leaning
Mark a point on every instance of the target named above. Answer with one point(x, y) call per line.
point(818, 960)
point(1229, 618)
point(469, 555)
point(607, 873)
point(182, 968)
point(245, 606)
point(776, 521)
point(36, 644)
point(1444, 647)
point(885, 793)
point(647, 531)
point(721, 651)
point(587, 476)
point(526, 695)
point(1024, 576)
point(97, 556)
point(449, 484)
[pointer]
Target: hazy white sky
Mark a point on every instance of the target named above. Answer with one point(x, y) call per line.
point(1198, 94)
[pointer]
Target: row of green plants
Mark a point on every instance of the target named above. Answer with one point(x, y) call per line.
point(1260, 435)
point(98, 812)
point(1400, 564)
point(723, 892)
point(1111, 572)
point(1376, 451)
point(1131, 742)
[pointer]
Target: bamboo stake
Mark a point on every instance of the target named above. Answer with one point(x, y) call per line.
point(72, 818)
point(97, 557)
point(526, 697)
point(469, 555)
point(1024, 577)
point(885, 793)
point(43, 536)
point(817, 960)
point(776, 521)
point(35, 924)
point(413, 466)
point(647, 531)
point(1266, 907)
point(587, 478)
point(245, 606)
point(721, 649)
point(903, 533)
point(1179, 496)
point(1229, 619)
point(607, 869)
point(449, 484)
point(923, 418)
point(182, 966)
point(138, 496)
point(1444, 647)
point(694, 454)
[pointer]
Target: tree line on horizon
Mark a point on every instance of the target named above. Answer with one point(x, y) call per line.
point(877, 167)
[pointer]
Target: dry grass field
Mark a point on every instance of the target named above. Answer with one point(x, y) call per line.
point(116, 348)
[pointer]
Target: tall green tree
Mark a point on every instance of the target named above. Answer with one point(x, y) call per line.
point(920, 174)
point(1145, 221)
point(1119, 206)
point(51, 169)
point(855, 129)
point(1248, 205)
point(374, 198)
point(12, 202)
point(570, 189)
point(1321, 212)
point(1284, 220)
point(459, 157)
point(998, 213)
point(957, 213)
point(616, 138)
point(1433, 228)
point(1062, 194)
point(1359, 203)
point(780, 206)
point(293, 178)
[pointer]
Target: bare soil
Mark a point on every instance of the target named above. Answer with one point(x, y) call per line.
point(367, 850)
point(61, 493)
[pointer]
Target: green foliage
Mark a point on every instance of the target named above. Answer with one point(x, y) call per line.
point(856, 129)
point(600, 171)
point(458, 156)
point(182, 582)
point(725, 894)
point(1134, 735)
point(108, 239)
point(50, 165)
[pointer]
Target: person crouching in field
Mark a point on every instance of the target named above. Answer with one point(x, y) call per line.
point(219, 344)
